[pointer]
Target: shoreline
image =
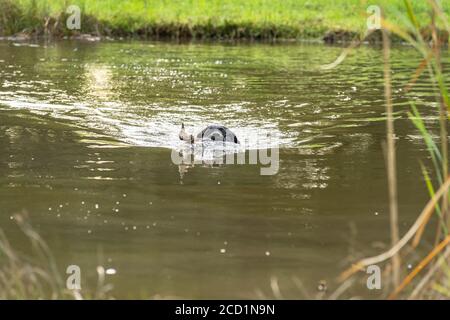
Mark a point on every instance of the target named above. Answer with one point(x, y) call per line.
point(328, 39)
point(285, 21)
point(98, 33)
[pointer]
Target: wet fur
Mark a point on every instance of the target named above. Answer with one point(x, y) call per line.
point(211, 132)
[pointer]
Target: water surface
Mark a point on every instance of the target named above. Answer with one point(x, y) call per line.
point(86, 134)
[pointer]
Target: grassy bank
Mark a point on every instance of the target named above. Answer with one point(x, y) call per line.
point(204, 19)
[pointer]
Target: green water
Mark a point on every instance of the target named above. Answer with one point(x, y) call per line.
point(86, 133)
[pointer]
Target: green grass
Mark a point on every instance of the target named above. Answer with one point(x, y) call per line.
point(258, 19)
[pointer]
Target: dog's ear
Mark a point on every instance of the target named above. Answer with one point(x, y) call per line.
point(182, 125)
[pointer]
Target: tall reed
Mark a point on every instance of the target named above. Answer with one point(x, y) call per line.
point(428, 41)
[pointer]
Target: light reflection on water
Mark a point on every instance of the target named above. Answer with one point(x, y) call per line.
point(87, 130)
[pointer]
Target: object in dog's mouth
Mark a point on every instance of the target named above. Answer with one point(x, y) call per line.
point(217, 133)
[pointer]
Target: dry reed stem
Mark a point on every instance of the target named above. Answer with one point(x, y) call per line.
point(354, 44)
point(390, 157)
point(404, 240)
point(422, 264)
point(431, 272)
point(423, 64)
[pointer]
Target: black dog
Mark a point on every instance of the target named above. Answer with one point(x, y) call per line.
point(212, 132)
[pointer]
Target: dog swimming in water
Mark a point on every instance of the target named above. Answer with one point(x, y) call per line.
point(212, 133)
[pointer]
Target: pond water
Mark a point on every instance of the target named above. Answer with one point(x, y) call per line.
point(86, 137)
